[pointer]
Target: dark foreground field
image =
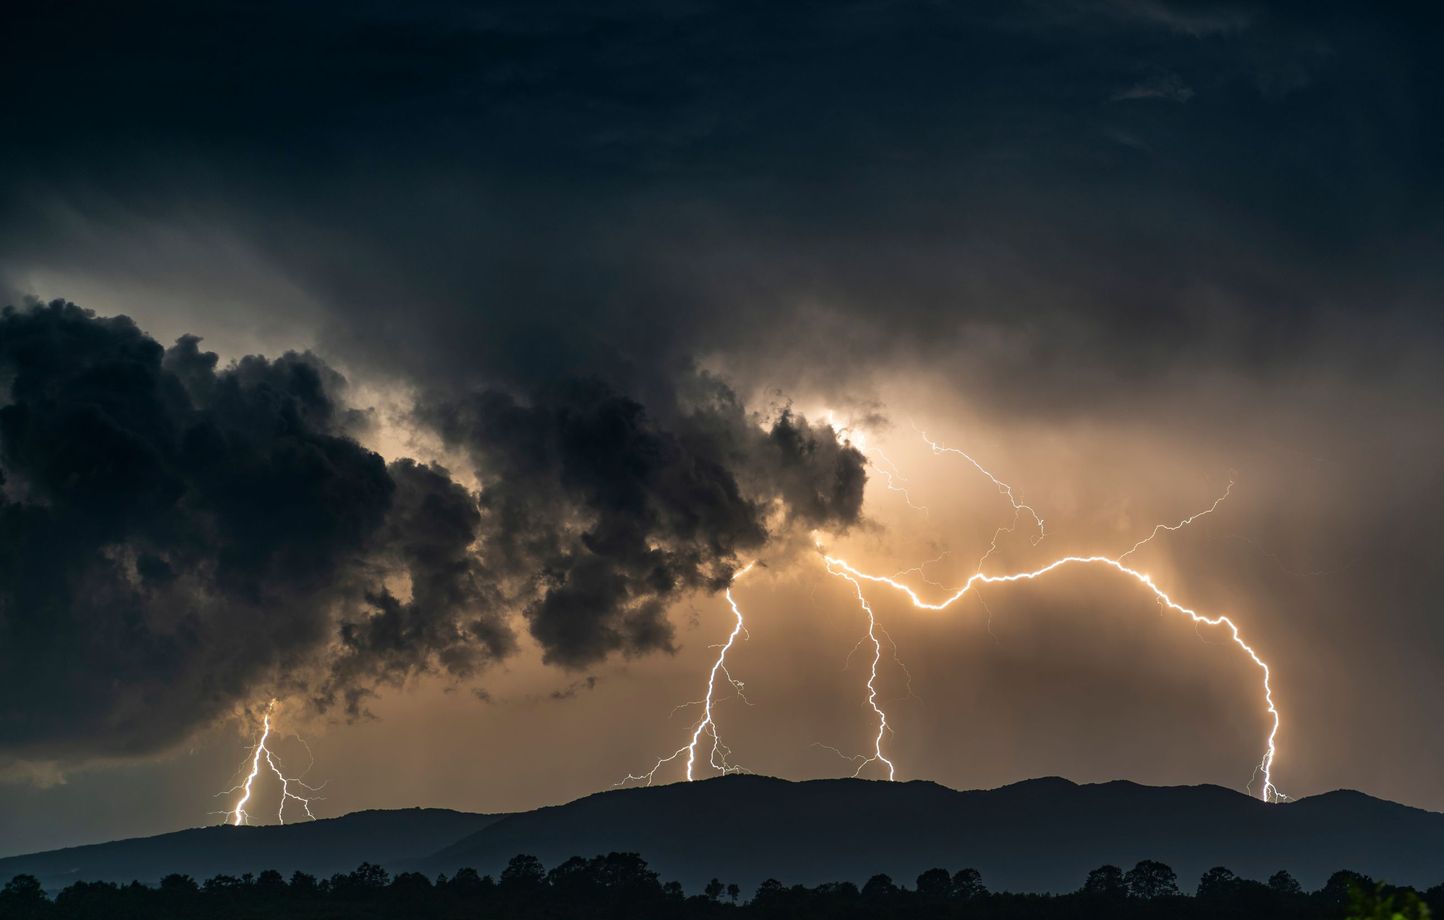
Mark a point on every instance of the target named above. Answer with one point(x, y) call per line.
point(621, 885)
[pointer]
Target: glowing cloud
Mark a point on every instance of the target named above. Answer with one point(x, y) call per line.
point(843, 569)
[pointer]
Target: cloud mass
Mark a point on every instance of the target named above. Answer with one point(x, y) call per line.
point(178, 538)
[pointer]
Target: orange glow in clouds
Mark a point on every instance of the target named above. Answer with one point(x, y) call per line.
point(841, 568)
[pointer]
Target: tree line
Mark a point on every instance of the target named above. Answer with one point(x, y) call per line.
point(621, 885)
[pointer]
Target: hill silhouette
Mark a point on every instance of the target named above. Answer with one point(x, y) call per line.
point(317, 847)
point(1040, 835)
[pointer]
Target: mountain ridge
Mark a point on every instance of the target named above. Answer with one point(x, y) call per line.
point(320, 847)
point(1040, 834)
point(1035, 835)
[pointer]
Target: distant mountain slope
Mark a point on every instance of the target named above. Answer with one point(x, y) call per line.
point(1040, 835)
point(318, 847)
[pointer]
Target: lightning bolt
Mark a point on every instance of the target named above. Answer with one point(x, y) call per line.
point(1269, 792)
point(238, 815)
point(1180, 525)
point(718, 756)
point(1019, 507)
point(841, 568)
point(883, 729)
point(891, 475)
point(862, 760)
point(921, 570)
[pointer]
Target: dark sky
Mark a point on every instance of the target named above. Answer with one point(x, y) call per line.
point(519, 326)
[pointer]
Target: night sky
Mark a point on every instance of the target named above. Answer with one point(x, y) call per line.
point(433, 369)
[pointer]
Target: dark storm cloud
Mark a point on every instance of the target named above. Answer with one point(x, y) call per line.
point(617, 514)
point(1076, 196)
point(177, 538)
point(455, 613)
point(172, 535)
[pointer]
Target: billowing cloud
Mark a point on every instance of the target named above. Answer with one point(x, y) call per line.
point(543, 192)
point(614, 513)
point(172, 535)
point(177, 538)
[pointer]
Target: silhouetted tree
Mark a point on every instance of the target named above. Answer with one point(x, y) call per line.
point(218, 884)
point(87, 899)
point(270, 883)
point(1340, 887)
point(523, 871)
point(734, 891)
point(1105, 882)
point(768, 893)
point(1217, 882)
point(411, 884)
point(623, 871)
point(1283, 883)
point(621, 886)
point(465, 883)
point(177, 884)
point(368, 877)
point(935, 885)
point(303, 885)
point(846, 891)
point(23, 899)
point(1151, 879)
point(571, 876)
point(968, 884)
point(1434, 897)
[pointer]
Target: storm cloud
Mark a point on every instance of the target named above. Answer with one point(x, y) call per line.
point(616, 515)
point(810, 195)
point(178, 538)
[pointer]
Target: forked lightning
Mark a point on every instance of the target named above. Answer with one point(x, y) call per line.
point(238, 814)
point(718, 756)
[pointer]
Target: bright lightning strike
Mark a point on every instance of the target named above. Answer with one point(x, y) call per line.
point(877, 755)
point(706, 726)
point(238, 815)
point(719, 754)
point(1019, 507)
point(843, 569)
point(921, 570)
point(1003, 489)
point(892, 476)
point(1171, 528)
point(1269, 792)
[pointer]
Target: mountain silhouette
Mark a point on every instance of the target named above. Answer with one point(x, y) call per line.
point(1037, 835)
point(317, 847)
